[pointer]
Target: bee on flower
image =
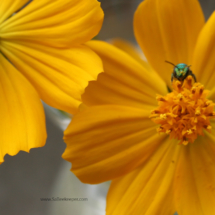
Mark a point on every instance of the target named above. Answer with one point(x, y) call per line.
point(153, 137)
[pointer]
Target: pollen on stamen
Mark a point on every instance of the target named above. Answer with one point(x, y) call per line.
point(185, 142)
point(209, 127)
point(180, 96)
point(159, 129)
point(168, 131)
point(189, 81)
point(197, 112)
point(163, 116)
point(208, 103)
point(193, 90)
point(186, 112)
point(201, 90)
point(160, 98)
point(189, 131)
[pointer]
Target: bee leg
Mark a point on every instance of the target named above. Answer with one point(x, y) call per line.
point(172, 76)
point(194, 77)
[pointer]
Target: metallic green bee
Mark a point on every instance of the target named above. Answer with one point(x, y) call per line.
point(181, 71)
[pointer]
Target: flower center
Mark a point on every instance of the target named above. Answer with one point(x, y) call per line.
point(185, 112)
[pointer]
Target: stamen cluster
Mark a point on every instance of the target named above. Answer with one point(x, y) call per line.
point(185, 112)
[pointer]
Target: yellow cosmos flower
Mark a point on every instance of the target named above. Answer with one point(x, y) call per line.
point(42, 57)
point(114, 136)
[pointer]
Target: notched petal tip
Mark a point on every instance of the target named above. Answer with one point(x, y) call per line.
point(22, 114)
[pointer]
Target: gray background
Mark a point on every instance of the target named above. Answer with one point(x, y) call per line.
point(27, 177)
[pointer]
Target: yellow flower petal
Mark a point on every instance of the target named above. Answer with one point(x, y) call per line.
point(204, 55)
point(59, 75)
point(22, 115)
point(195, 178)
point(55, 23)
point(8, 7)
point(124, 82)
point(168, 30)
point(129, 48)
point(148, 189)
point(108, 141)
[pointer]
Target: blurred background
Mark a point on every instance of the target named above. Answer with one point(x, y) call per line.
point(42, 173)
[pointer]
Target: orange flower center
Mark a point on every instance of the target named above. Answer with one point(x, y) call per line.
point(185, 112)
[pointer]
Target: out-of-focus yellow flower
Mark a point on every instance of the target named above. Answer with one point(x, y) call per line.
point(112, 136)
point(42, 56)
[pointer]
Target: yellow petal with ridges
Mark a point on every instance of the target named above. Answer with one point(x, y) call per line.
point(203, 166)
point(55, 23)
point(22, 115)
point(124, 81)
point(129, 48)
point(195, 178)
point(8, 7)
point(59, 75)
point(148, 189)
point(168, 30)
point(203, 60)
point(108, 141)
point(133, 51)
